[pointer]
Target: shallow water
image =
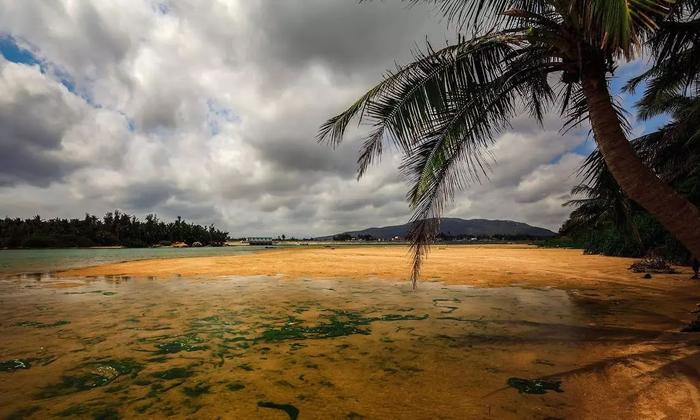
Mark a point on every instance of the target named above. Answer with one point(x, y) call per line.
point(263, 347)
point(47, 260)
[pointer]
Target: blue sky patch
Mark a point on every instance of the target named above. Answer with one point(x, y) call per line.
point(10, 49)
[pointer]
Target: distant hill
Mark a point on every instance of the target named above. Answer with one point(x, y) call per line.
point(457, 228)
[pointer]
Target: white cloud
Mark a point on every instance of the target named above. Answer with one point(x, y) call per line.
point(210, 112)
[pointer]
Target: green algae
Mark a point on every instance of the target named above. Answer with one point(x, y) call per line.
point(197, 390)
point(291, 411)
point(23, 413)
point(235, 386)
point(73, 410)
point(534, 386)
point(100, 373)
point(92, 292)
point(37, 324)
point(187, 343)
point(82, 293)
point(246, 367)
point(72, 384)
point(396, 317)
point(122, 366)
point(107, 413)
point(142, 382)
point(339, 324)
point(174, 373)
point(14, 364)
point(157, 389)
point(143, 408)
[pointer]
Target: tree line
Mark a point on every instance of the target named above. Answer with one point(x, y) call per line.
point(114, 229)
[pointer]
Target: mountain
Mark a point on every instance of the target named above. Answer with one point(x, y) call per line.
point(456, 228)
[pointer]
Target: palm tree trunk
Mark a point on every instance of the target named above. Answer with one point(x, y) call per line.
point(678, 215)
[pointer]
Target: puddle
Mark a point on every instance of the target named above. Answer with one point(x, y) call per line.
point(252, 347)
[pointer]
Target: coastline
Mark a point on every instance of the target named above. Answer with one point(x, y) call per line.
point(476, 265)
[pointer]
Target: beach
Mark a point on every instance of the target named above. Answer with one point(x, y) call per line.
point(475, 265)
point(491, 332)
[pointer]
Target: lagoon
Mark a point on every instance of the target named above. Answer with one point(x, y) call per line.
point(49, 260)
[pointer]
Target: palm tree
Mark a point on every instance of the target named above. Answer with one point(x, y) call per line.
point(672, 152)
point(444, 110)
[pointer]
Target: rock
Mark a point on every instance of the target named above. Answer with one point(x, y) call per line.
point(694, 326)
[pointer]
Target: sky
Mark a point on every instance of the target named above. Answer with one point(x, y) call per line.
point(209, 111)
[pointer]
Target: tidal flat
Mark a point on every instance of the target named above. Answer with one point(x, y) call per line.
point(278, 348)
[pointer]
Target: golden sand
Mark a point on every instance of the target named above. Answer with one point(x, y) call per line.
point(331, 346)
point(483, 266)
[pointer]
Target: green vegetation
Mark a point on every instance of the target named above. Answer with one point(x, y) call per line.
point(606, 221)
point(14, 364)
point(91, 375)
point(114, 229)
point(339, 323)
point(174, 373)
point(534, 386)
point(197, 390)
point(187, 343)
point(235, 386)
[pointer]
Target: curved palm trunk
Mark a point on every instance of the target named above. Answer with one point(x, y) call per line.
point(678, 215)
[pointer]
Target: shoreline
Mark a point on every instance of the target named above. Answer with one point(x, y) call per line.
point(476, 265)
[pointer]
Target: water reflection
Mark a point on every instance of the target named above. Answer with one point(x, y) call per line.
point(256, 347)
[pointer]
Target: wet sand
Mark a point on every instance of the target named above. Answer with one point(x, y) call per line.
point(207, 344)
point(483, 266)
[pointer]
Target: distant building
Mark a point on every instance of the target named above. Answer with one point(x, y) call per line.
point(259, 241)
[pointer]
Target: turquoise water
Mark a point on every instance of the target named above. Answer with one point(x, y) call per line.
point(47, 260)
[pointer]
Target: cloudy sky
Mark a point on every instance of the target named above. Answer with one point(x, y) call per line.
point(208, 110)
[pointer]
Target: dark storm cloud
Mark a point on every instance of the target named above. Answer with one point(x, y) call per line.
point(33, 122)
point(305, 155)
point(147, 195)
point(343, 34)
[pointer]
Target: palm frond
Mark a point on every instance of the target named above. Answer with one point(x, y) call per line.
point(402, 106)
point(621, 25)
point(451, 156)
point(676, 51)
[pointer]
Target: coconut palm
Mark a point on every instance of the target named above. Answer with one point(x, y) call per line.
point(672, 152)
point(444, 110)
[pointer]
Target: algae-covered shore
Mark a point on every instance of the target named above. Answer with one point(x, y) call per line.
point(498, 332)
